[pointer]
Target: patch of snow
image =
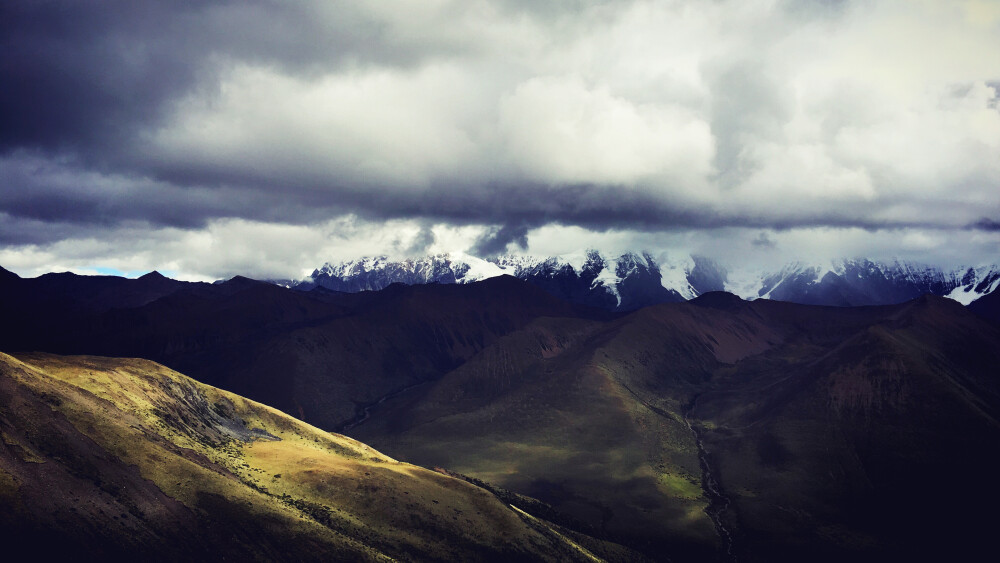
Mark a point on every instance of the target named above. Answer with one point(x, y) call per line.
point(575, 260)
point(479, 269)
point(674, 276)
point(519, 266)
point(745, 284)
point(964, 294)
point(609, 280)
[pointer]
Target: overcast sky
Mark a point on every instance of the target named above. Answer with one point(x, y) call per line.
point(257, 137)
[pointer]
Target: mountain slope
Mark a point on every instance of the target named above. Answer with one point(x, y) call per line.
point(554, 411)
point(105, 458)
point(321, 356)
point(806, 421)
point(36, 302)
point(835, 446)
point(987, 307)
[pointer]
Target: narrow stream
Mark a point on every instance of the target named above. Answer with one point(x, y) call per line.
point(718, 502)
point(366, 411)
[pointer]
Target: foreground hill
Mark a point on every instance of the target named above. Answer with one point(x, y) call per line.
point(102, 459)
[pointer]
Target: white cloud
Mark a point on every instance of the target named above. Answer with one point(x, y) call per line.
point(558, 130)
point(401, 129)
point(388, 122)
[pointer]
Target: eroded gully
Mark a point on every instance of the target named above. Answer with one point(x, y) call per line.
point(366, 411)
point(718, 502)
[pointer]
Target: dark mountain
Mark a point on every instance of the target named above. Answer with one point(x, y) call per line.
point(6, 276)
point(767, 429)
point(37, 307)
point(110, 459)
point(987, 307)
point(322, 356)
point(89, 294)
point(826, 432)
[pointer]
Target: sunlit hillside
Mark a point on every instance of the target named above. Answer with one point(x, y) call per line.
point(103, 458)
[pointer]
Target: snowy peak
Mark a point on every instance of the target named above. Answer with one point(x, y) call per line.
point(636, 279)
point(974, 283)
point(375, 273)
point(861, 281)
point(625, 282)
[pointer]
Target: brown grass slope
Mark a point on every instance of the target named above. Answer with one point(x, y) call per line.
point(586, 416)
point(831, 430)
point(103, 458)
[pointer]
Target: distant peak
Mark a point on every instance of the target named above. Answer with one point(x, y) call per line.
point(154, 275)
point(238, 281)
point(718, 300)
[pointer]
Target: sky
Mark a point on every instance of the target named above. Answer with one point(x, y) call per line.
point(207, 139)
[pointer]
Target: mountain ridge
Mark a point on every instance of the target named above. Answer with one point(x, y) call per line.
point(633, 280)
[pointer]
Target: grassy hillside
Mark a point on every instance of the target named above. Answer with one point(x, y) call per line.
point(543, 412)
point(829, 433)
point(105, 458)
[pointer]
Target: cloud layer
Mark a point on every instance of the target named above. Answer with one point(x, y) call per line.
point(657, 118)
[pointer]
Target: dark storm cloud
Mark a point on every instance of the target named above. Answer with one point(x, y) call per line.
point(81, 76)
point(986, 224)
point(36, 190)
point(639, 116)
point(420, 243)
point(495, 241)
point(70, 196)
point(20, 231)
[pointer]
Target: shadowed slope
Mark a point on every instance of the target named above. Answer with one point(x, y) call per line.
point(33, 304)
point(582, 415)
point(321, 356)
point(987, 307)
point(106, 458)
point(823, 427)
point(836, 445)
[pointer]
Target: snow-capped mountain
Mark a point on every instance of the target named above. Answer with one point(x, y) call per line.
point(634, 280)
point(371, 274)
point(863, 282)
point(625, 282)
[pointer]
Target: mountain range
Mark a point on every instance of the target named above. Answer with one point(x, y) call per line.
point(712, 429)
point(634, 280)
